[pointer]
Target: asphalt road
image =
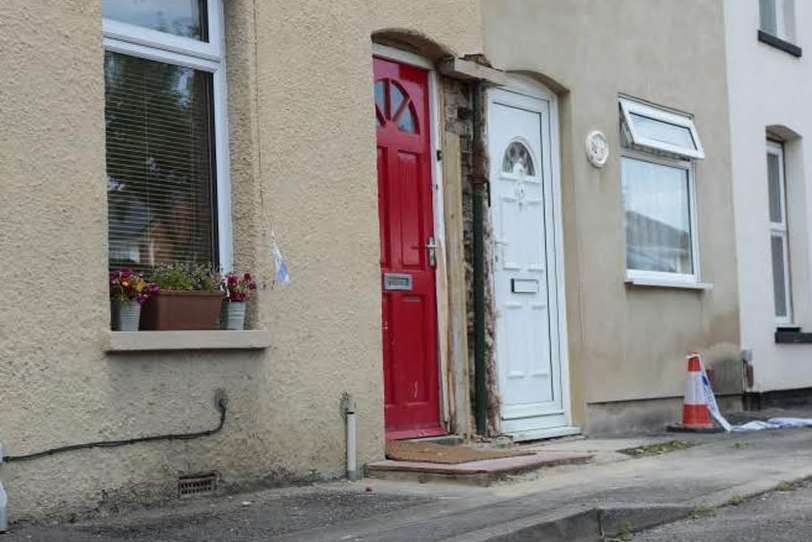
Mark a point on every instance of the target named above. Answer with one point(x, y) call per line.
point(218, 519)
point(782, 516)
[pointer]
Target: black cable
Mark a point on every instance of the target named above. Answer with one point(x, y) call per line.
point(221, 404)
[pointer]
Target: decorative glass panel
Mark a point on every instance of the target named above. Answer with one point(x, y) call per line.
point(779, 258)
point(406, 122)
point(664, 132)
point(394, 106)
point(518, 159)
point(774, 180)
point(380, 96)
point(185, 18)
point(658, 217)
point(397, 99)
point(160, 179)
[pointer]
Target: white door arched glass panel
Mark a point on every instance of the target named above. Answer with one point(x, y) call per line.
point(518, 160)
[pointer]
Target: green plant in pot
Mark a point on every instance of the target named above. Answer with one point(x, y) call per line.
point(238, 289)
point(128, 292)
point(190, 299)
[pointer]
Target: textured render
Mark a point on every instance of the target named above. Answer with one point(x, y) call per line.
point(769, 91)
point(302, 159)
point(629, 343)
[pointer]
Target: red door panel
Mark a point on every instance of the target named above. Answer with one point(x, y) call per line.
point(411, 376)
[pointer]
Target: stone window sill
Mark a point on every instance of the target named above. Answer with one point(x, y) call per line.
point(659, 283)
point(792, 335)
point(780, 44)
point(155, 341)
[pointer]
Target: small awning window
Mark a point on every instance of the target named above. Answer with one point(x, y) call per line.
point(661, 130)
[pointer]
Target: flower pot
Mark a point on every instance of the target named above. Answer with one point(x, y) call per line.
point(174, 310)
point(125, 315)
point(233, 317)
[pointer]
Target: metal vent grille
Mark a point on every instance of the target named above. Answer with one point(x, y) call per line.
point(198, 484)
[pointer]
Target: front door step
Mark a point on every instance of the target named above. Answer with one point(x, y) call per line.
point(483, 472)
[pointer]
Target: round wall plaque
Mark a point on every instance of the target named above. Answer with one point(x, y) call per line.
point(597, 148)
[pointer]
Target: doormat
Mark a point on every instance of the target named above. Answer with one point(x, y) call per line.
point(428, 452)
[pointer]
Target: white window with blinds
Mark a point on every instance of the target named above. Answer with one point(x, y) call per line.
point(659, 195)
point(168, 187)
point(779, 233)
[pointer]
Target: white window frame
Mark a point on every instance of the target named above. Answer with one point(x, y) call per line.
point(781, 229)
point(209, 57)
point(784, 13)
point(629, 107)
point(659, 278)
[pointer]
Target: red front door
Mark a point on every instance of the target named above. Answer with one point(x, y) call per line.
point(411, 386)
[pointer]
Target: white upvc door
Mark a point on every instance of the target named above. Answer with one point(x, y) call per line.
point(530, 329)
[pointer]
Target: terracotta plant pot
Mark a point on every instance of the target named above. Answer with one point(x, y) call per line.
point(175, 310)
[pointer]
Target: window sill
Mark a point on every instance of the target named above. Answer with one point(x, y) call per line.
point(153, 341)
point(792, 335)
point(778, 43)
point(662, 283)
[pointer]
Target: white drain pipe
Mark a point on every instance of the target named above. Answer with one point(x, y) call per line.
point(3, 501)
point(348, 405)
point(3, 510)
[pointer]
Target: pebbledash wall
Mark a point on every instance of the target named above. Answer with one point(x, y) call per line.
point(302, 140)
point(628, 343)
point(769, 101)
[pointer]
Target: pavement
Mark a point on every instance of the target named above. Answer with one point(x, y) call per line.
point(615, 495)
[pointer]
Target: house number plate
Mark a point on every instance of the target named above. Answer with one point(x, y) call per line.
point(394, 282)
point(524, 286)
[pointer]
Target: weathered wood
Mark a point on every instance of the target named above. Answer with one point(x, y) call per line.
point(457, 334)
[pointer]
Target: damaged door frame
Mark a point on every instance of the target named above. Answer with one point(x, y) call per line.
point(441, 272)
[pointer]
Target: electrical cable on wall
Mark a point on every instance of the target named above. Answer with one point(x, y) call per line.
point(221, 403)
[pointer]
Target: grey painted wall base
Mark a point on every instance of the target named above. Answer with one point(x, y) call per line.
point(778, 399)
point(644, 416)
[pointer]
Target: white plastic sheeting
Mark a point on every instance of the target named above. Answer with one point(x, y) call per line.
point(773, 423)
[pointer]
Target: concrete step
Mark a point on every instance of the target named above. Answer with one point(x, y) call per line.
point(483, 472)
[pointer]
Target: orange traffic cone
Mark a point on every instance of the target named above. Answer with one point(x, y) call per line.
point(696, 416)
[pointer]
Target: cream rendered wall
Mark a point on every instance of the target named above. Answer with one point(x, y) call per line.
point(770, 88)
point(302, 153)
point(628, 343)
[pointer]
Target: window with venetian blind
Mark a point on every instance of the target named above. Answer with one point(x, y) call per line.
point(659, 193)
point(168, 197)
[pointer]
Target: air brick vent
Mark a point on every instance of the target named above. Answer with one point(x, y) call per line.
point(197, 484)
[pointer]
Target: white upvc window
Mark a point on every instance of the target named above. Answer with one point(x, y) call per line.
point(659, 198)
point(777, 18)
point(169, 193)
point(655, 129)
point(779, 233)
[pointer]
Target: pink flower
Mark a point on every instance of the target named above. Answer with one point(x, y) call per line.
point(247, 277)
